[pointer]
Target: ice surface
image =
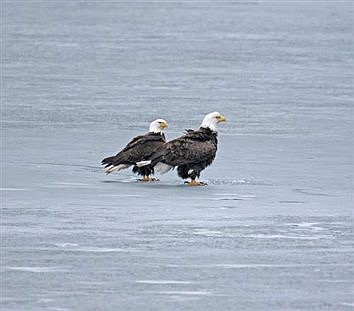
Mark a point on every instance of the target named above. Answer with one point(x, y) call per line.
point(273, 229)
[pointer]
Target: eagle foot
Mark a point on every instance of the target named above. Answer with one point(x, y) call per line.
point(195, 183)
point(148, 179)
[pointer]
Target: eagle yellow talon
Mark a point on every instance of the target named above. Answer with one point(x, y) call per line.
point(195, 183)
point(144, 179)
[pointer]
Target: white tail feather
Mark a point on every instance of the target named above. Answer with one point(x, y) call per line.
point(143, 163)
point(113, 168)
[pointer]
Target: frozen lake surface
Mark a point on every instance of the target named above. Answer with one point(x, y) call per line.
point(274, 228)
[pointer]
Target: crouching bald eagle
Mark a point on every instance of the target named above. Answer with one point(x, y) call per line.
point(138, 149)
point(191, 153)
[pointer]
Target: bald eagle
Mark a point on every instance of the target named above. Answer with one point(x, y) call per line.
point(191, 153)
point(138, 149)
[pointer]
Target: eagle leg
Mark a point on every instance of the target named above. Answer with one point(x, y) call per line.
point(144, 179)
point(195, 183)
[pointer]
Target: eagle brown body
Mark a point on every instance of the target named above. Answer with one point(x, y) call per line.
point(138, 149)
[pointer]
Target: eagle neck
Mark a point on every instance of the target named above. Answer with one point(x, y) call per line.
point(209, 129)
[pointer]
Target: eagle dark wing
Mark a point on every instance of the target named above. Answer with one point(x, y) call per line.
point(141, 140)
point(189, 150)
point(138, 149)
point(192, 148)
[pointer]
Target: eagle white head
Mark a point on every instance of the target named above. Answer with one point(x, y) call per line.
point(212, 120)
point(158, 125)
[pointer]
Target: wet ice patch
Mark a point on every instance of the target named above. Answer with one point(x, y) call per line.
point(307, 226)
point(73, 247)
point(187, 293)
point(290, 237)
point(12, 189)
point(255, 266)
point(90, 249)
point(37, 269)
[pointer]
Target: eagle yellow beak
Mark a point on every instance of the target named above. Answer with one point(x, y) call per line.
point(164, 125)
point(221, 119)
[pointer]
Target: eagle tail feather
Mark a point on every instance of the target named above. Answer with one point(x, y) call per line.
point(113, 168)
point(143, 163)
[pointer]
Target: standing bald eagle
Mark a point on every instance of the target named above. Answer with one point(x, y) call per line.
point(138, 149)
point(191, 153)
